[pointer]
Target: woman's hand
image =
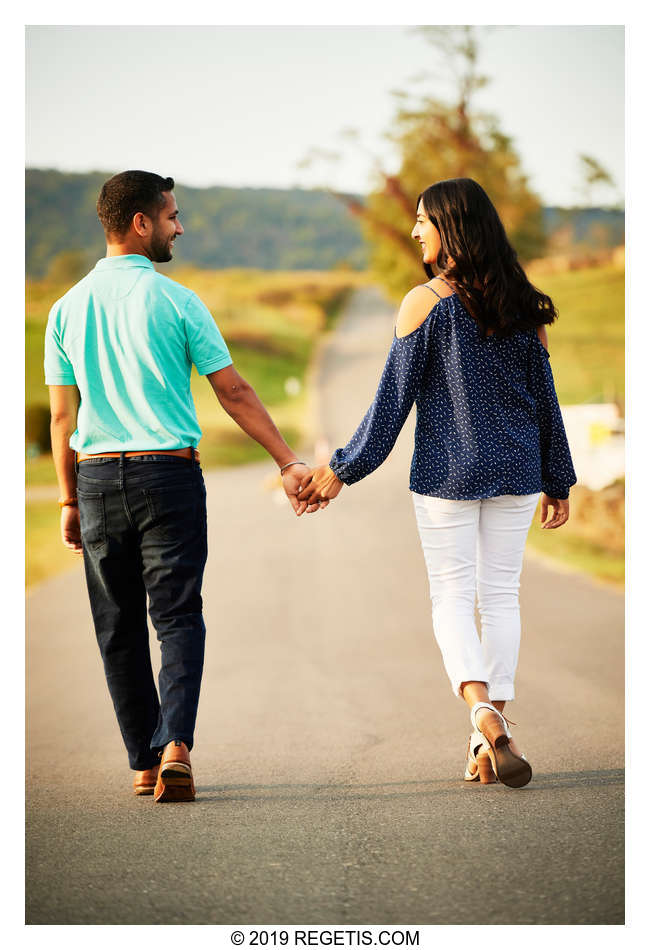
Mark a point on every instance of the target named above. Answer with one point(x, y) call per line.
point(560, 508)
point(321, 484)
point(292, 479)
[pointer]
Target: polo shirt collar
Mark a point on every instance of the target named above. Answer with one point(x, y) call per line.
point(124, 260)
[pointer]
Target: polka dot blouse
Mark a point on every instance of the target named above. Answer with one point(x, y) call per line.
point(488, 419)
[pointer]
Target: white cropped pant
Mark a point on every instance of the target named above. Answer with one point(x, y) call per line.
point(476, 547)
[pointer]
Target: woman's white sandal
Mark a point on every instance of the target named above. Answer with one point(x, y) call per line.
point(509, 722)
point(513, 770)
point(478, 766)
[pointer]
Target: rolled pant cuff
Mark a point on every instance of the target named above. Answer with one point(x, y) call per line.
point(502, 691)
point(159, 747)
point(141, 765)
point(458, 682)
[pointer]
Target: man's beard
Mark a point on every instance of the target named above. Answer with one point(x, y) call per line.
point(160, 250)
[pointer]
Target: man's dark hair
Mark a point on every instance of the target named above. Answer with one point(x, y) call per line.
point(128, 193)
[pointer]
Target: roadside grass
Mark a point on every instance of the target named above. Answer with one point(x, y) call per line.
point(570, 546)
point(45, 554)
point(587, 344)
point(574, 552)
point(587, 347)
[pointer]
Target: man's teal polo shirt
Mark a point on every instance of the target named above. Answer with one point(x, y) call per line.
point(128, 336)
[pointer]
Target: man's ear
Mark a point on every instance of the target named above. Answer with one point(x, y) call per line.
point(141, 224)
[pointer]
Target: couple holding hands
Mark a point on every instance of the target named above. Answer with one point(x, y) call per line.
point(469, 349)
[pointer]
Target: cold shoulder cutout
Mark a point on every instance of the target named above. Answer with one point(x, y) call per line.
point(414, 310)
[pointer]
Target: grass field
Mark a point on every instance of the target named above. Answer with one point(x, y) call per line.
point(45, 553)
point(592, 541)
point(587, 343)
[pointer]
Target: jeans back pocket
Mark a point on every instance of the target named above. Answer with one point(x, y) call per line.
point(92, 519)
point(174, 512)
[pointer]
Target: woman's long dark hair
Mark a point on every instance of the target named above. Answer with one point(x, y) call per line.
point(485, 271)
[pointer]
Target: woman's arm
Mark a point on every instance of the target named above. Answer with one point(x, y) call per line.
point(400, 381)
point(543, 335)
point(558, 474)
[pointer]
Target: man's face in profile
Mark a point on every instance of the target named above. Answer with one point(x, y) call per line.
point(166, 228)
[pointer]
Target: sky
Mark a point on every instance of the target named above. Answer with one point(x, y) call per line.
point(245, 105)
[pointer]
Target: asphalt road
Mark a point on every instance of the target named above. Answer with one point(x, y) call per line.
point(329, 749)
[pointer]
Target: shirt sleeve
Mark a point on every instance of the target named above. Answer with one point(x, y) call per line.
point(399, 385)
point(58, 368)
point(558, 474)
point(205, 345)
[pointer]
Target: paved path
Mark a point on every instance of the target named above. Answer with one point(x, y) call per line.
point(329, 749)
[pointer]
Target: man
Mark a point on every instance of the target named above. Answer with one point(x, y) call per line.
point(119, 350)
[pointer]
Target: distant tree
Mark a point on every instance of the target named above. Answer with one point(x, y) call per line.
point(437, 140)
point(37, 429)
point(68, 267)
point(594, 175)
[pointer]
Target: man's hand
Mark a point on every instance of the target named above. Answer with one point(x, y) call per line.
point(321, 484)
point(560, 508)
point(292, 479)
point(70, 529)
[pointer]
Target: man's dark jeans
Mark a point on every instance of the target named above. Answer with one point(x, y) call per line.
point(144, 532)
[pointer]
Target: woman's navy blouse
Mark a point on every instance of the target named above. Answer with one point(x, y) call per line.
point(488, 419)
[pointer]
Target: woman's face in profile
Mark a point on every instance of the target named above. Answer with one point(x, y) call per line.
point(427, 234)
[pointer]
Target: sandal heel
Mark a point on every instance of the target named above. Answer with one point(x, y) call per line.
point(485, 770)
point(510, 769)
point(513, 771)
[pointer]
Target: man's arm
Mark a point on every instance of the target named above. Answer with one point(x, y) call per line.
point(64, 403)
point(242, 404)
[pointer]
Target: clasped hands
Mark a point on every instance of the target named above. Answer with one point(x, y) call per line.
point(307, 490)
point(310, 489)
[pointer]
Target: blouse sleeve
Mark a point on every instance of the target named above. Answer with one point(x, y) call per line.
point(558, 474)
point(399, 385)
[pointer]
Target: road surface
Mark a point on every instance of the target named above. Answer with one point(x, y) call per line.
point(329, 750)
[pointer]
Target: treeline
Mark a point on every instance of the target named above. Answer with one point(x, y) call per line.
point(267, 228)
point(589, 228)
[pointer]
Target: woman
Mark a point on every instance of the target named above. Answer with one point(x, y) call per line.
point(470, 350)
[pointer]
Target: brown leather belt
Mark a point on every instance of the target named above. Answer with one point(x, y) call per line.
point(184, 453)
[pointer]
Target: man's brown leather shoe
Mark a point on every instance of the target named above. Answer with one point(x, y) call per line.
point(175, 782)
point(145, 781)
